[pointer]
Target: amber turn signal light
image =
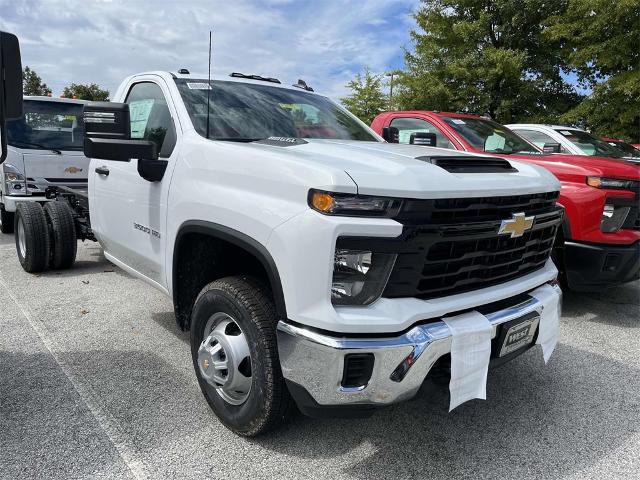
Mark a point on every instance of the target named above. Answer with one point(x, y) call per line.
point(322, 201)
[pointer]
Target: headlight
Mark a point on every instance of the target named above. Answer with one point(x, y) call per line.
point(345, 204)
point(359, 276)
point(14, 180)
point(13, 177)
point(613, 217)
point(613, 183)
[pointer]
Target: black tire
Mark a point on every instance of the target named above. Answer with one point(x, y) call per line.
point(31, 228)
point(249, 302)
point(64, 243)
point(6, 220)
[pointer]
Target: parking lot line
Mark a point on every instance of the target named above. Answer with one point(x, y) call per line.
point(105, 421)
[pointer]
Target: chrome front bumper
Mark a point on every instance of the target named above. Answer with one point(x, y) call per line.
point(315, 361)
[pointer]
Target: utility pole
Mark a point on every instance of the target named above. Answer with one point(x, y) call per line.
point(391, 74)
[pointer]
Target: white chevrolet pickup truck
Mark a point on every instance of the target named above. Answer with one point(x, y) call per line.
point(313, 263)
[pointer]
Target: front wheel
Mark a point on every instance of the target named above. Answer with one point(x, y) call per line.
point(235, 355)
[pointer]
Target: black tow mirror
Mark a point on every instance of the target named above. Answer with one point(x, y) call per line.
point(391, 134)
point(10, 85)
point(551, 148)
point(423, 139)
point(108, 134)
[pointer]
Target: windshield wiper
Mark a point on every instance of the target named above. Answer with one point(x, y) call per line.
point(37, 145)
point(241, 140)
point(71, 147)
point(500, 151)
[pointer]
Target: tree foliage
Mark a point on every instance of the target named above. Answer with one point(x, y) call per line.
point(89, 91)
point(602, 45)
point(367, 98)
point(32, 84)
point(487, 57)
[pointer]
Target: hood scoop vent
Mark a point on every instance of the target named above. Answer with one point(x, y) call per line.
point(470, 164)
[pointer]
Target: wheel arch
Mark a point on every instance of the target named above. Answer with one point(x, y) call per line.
point(232, 237)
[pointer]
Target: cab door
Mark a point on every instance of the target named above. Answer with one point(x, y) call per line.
point(128, 212)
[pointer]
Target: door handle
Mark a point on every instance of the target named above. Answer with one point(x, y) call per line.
point(102, 171)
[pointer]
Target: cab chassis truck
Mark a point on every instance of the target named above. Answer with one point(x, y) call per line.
point(314, 264)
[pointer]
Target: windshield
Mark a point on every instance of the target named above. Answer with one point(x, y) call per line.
point(248, 112)
point(589, 144)
point(490, 136)
point(47, 125)
point(627, 148)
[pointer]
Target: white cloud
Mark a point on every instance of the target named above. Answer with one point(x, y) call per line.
point(324, 42)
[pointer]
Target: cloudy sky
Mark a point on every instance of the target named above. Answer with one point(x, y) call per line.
point(325, 42)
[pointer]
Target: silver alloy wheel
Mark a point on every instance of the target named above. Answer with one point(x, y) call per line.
point(224, 359)
point(22, 241)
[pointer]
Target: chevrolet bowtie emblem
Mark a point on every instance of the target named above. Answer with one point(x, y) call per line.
point(517, 225)
point(73, 170)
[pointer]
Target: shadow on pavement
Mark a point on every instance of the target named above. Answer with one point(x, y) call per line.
point(538, 421)
point(618, 306)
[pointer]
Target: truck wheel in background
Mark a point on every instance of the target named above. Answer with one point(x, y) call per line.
point(32, 237)
point(64, 243)
point(6, 220)
point(235, 355)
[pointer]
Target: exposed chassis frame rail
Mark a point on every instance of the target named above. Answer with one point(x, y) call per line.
point(78, 200)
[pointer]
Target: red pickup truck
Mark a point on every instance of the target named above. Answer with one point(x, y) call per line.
point(599, 244)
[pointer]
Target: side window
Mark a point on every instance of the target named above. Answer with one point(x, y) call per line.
point(538, 138)
point(407, 126)
point(150, 117)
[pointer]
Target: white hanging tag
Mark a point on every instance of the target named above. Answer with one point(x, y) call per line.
point(549, 328)
point(470, 354)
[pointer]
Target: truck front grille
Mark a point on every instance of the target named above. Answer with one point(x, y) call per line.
point(459, 249)
point(452, 246)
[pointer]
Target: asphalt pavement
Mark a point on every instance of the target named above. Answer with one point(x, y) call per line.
point(96, 381)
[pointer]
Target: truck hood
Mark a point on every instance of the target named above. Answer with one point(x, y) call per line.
point(583, 165)
point(398, 170)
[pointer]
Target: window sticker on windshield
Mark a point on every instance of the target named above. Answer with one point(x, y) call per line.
point(139, 111)
point(457, 121)
point(198, 86)
point(566, 133)
point(288, 106)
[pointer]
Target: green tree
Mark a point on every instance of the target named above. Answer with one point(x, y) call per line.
point(367, 98)
point(89, 91)
point(601, 42)
point(487, 57)
point(32, 84)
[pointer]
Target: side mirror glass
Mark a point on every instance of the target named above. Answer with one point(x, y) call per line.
point(10, 85)
point(391, 134)
point(423, 139)
point(108, 134)
point(551, 148)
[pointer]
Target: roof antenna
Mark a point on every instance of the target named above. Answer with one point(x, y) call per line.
point(209, 85)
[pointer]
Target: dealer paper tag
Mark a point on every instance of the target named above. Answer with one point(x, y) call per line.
point(470, 354)
point(549, 328)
